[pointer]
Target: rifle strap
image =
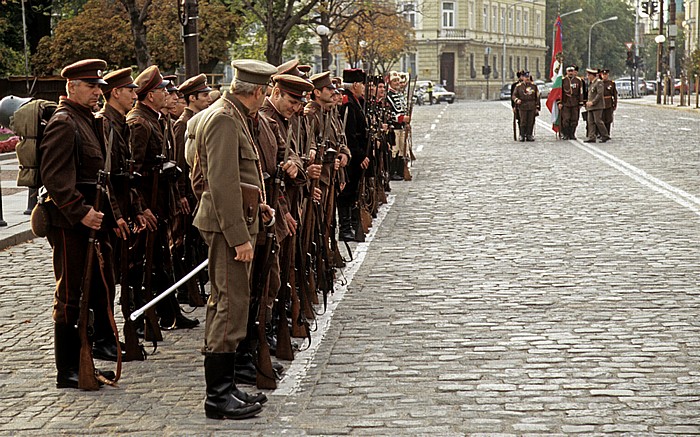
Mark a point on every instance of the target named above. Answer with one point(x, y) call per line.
point(110, 315)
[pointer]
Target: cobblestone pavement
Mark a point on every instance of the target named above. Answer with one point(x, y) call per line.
point(545, 288)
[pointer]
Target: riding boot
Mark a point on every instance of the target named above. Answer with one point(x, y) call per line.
point(397, 168)
point(346, 230)
point(221, 403)
point(66, 345)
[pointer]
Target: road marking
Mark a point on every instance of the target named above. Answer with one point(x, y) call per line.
point(685, 129)
point(419, 148)
point(432, 126)
point(679, 196)
point(293, 377)
point(687, 118)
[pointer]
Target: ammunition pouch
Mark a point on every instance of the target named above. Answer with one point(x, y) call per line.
point(251, 202)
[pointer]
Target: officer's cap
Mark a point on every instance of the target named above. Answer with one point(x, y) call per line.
point(195, 85)
point(605, 71)
point(290, 67)
point(294, 86)
point(592, 71)
point(304, 70)
point(87, 70)
point(322, 80)
point(253, 71)
point(118, 79)
point(149, 79)
point(353, 75)
point(171, 78)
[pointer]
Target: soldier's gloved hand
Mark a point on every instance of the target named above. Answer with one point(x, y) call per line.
point(314, 171)
point(151, 220)
point(244, 252)
point(291, 169)
point(291, 223)
point(122, 229)
point(184, 206)
point(92, 219)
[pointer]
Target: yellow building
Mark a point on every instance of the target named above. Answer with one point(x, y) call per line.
point(455, 39)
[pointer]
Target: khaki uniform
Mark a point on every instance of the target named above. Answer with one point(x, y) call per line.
point(596, 91)
point(227, 157)
point(610, 99)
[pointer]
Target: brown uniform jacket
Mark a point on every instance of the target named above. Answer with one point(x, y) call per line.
point(227, 157)
point(528, 95)
point(572, 92)
point(72, 153)
point(180, 132)
point(146, 142)
point(610, 94)
point(596, 91)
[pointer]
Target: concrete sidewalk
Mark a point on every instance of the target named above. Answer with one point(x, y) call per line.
point(14, 206)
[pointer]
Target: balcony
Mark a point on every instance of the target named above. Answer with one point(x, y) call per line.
point(452, 33)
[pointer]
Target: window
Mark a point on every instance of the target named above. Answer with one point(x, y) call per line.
point(494, 18)
point(503, 19)
point(495, 69)
point(526, 66)
point(485, 19)
point(472, 15)
point(517, 61)
point(448, 15)
point(526, 23)
point(538, 24)
point(518, 27)
point(510, 22)
point(409, 12)
point(510, 67)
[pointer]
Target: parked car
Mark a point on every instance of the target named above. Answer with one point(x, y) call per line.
point(544, 88)
point(624, 87)
point(505, 92)
point(440, 93)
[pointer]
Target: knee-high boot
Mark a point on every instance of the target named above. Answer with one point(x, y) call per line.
point(221, 402)
point(66, 346)
point(346, 231)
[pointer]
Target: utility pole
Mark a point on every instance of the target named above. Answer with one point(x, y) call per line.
point(672, 34)
point(189, 14)
point(659, 51)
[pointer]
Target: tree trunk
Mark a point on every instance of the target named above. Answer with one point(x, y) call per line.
point(138, 29)
point(275, 44)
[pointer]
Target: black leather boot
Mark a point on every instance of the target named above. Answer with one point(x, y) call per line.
point(346, 231)
point(66, 346)
point(221, 402)
point(245, 368)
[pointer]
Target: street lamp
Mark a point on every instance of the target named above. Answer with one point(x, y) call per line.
point(505, 28)
point(554, 28)
point(590, 31)
point(323, 32)
point(659, 40)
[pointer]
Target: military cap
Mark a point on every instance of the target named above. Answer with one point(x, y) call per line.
point(149, 79)
point(118, 79)
point(294, 85)
point(305, 70)
point(394, 75)
point(322, 80)
point(171, 78)
point(353, 75)
point(592, 71)
point(290, 67)
point(524, 73)
point(605, 71)
point(253, 71)
point(572, 67)
point(88, 70)
point(194, 85)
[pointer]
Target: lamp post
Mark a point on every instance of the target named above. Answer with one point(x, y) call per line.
point(659, 40)
point(505, 28)
point(590, 32)
point(323, 32)
point(554, 28)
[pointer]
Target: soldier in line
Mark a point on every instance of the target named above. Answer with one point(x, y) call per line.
point(595, 104)
point(526, 97)
point(571, 102)
point(148, 143)
point(520, 78)
point(609, 97)
point(356, 134)
point(73, 152)
point(230, 232)
point(399, 122)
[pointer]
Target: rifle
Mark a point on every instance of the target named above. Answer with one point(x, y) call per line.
point(152, 328)
point(133, 350)
point(408, 138)
point(87, 375)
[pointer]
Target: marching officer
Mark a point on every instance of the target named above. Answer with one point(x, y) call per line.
point(571, 102)
point(526, 97)
point(595, 104)
point(73, 152)
point(609, 97)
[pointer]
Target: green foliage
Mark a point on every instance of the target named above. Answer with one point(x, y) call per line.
point(607, 40)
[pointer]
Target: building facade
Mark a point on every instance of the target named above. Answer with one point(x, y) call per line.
point(456, 39)
point(691, 25)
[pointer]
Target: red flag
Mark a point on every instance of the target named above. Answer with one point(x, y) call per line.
point(558, 42)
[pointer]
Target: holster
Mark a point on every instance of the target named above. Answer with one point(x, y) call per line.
point(251, 201)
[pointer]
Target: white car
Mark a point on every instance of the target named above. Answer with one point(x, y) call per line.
point(544, 88)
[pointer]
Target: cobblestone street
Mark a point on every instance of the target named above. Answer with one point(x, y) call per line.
point(539, 288)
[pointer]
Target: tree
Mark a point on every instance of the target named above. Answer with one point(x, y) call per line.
point(137, 18)
point(278, 18)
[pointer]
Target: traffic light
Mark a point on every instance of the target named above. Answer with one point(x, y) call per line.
point(630, 59)
point(645, 7)
point(486, 70)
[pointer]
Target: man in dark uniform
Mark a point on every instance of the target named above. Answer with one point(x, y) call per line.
point(520, 78)
point(526, 97)
point(595, 105)
point(609, 97)
point(400, 121)
point(570, 103)
point(356, 134)
point(73, 152)
point(147, 142)
point(119, 98)
point(228, 157)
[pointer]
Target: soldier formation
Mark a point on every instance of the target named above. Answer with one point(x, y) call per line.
point(259, 186)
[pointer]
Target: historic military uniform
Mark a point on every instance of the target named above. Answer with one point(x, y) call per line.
point(397, 138)
point(595, 105)
point(228, 158)
point(73, 152)
point(609, 99)
point(571, 102)
point(527, 102)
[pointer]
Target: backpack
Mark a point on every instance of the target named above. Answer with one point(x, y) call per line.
point(29, 122)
